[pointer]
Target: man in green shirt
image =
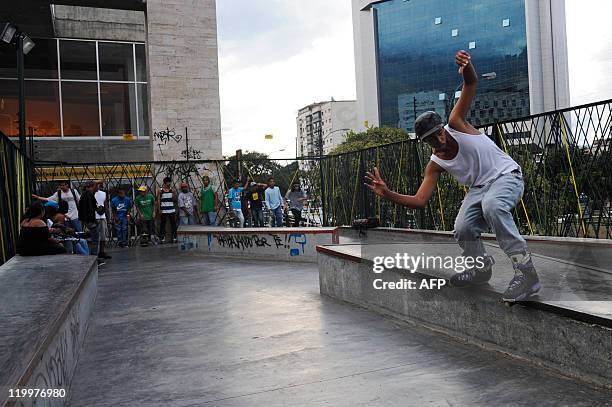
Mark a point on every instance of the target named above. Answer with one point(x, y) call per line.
point(145, 206)
point(208, 203)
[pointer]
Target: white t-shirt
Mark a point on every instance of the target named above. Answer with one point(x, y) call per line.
point(100, 199)
point(73, 211)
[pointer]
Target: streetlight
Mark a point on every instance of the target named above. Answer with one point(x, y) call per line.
point(24, 44)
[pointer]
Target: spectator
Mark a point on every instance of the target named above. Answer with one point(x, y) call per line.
point(88, 207)
point(121, 206)
point(274, 200)
point(166, 200)
point(187, 206)
point(255, 196)
point(34, 236)
point(296, 198)
point(145, 208)
point(65, 193)
point(234, 195)
point(102, 201)
point(208, 203)
point(72, 240)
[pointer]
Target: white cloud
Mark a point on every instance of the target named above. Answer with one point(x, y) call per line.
point(302, 52)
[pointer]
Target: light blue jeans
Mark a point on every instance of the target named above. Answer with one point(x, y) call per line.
point(490, 206)
point(277, 217)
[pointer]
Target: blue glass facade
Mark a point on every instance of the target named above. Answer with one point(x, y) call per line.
point(416, 45)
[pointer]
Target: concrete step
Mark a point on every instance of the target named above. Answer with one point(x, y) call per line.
point(567, 328)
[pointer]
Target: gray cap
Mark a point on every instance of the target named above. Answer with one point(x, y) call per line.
point(426, 124)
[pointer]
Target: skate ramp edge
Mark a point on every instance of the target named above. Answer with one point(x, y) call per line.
point(561, 331)
point(45, 304)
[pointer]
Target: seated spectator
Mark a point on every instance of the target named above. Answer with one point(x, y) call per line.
point(34, 237)
point(71, 239)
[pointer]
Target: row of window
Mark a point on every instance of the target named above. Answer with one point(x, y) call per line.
point(77, 88)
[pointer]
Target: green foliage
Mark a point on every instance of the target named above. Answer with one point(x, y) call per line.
point(259, 167)
point(373, 137)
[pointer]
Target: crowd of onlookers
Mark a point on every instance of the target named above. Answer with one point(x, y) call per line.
point(79, 222)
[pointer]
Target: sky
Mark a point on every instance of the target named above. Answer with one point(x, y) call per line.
point(277, 56)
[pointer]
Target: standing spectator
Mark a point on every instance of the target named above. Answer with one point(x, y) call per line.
point(102, 201)
point(234, 195)
point(65, 193)
point(121, 206)
point(166, 201)
point(274, 200)
point(255, 196)
point(187, 206)
point(208, 203)
point(145, 208)
point(88, 207)
point(296, 198)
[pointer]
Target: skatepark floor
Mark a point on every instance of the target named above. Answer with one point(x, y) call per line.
point(171, 329)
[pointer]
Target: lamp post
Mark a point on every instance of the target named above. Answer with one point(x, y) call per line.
point(320, 142)
point(24, 44)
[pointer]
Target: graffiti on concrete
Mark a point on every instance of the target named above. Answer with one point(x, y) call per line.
point(191, 154)
point(294, 243)
point(163, 137)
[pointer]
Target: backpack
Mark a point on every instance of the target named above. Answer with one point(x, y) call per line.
point(59, 196)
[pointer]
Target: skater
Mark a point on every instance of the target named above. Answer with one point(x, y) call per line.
point(495, 184)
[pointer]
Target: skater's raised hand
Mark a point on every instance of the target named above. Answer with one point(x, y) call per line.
point(376, 183)
point(462, 59)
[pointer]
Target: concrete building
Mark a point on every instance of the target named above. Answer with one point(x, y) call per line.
point(329, 121)
point(115, 80)
point(404, 58)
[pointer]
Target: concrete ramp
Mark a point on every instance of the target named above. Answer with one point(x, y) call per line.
point(568, 327)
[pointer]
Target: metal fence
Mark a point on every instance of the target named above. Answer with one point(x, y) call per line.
point(16, 182)
point(566, 157)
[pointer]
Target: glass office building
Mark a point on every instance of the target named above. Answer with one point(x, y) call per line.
point(416, 42)
point(77, 89)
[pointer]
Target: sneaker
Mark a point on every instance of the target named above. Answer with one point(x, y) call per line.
point(101, 262)
point(474, 275)
point(525, 282)
point(174, 240)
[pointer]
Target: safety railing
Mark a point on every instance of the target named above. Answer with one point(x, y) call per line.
point(16, 182)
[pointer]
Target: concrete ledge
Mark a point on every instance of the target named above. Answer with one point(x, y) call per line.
point(45, 306)
point(554, 334)
point(282, 244)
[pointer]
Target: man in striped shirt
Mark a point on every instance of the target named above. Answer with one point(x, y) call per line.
point(166, 207)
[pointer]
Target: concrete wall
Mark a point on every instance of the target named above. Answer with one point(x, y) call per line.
point(93, 151)
point(279, 244)
point(366, 74)
point(98, 23)
point(184, 77)
point(547, 55)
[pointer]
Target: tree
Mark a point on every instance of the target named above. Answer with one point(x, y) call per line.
point(260, 167)
point(373, 137)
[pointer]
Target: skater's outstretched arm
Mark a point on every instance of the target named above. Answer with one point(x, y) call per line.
point(379, 187)
point(458, 117)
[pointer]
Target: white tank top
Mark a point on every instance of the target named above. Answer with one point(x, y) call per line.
point(478, 160)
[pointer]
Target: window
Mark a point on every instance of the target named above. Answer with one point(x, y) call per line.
point(506, 22)
point(80, 108)
point(457, 94)
point(116, 61)
point(438, 21)
point(118, 109)
point(143, 110)
point(41, 62)
point(78, 60)
point(42, 109)
point(472, 45)
point(141, 63)
point(442, 96)
point(455, 32)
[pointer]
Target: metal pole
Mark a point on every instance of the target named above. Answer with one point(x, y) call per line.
point(20, 76)
point(321, 177)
